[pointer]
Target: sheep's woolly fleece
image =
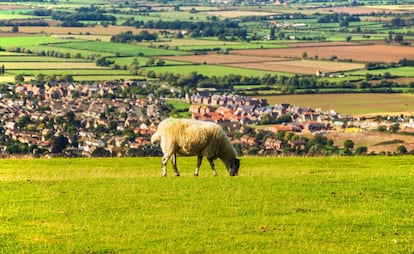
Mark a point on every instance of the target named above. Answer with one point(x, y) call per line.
point(191, 137)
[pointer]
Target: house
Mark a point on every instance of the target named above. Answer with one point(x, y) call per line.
point(273, 144)
point(297, 143)
point(248, 141)
point(319, 73)
point(280, 127)
point(312, 127)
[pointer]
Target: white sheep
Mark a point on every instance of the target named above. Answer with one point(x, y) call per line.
point(192, 137)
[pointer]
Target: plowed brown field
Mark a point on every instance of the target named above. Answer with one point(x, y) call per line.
point(221, 59)
point(360, 53)
point(301, 66)
point(273, 64)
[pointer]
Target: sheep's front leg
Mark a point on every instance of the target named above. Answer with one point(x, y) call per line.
point(213, 167)
point(199, 160)
point(174, 164)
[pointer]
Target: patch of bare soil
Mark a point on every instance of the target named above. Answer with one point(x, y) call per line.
point(375, 141)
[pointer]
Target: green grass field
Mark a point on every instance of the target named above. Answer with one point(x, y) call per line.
point(208, 70)
point(25, 41)
point(118, 48)
point(276, 205)
point(406, 71)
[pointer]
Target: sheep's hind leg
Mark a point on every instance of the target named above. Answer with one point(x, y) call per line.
point(164, 164)
point(199, 160)
point(213, 167)
point(174, 164)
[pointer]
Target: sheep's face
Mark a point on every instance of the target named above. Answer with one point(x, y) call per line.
point(233, 168)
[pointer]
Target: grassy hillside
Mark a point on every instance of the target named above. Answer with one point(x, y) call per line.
point(276, 205)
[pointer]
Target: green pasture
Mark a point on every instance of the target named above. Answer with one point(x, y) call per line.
point(77, 74)
point(180, 108)
point(25, 41)
point(169, 15)
point(405, 71)
point(118, 48)
point(82, 72)
point(209, 70)
point(14, 14)
point(275, 205)
point(84, 53)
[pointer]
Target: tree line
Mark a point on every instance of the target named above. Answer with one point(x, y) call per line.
point(213, 28)
point(283, 84)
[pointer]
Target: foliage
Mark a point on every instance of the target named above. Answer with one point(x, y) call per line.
point(82, 13)
point(59, 143)
point(128, 37)
point(219, 28)
point(19, 78)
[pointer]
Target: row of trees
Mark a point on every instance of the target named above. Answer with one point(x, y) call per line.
point(84, 13)
point(342, 18)
point(285, 84)
point(128, 37)
point(218, 28)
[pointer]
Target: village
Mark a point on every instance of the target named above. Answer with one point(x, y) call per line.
point(102, 119)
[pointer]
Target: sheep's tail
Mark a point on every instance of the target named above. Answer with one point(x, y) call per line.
point(155, 138)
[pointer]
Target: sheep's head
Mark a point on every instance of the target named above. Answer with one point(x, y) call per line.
point(234, 166)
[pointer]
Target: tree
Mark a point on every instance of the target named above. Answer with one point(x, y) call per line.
point(253, 150)
point(305, 55)
point(100, 152)
point(59, 144)
point(134, 67)
point(344, 23)
point(15, 29)
point(389, 39)
point(19, 78)
point(394, 127)
point(51, 78)
point(399, 37)
point(272, 33)
point(67, 78)
point(281, 35)
point(348, 144)
point(402, 150)
point(23, 121)
point(360, 150)
point(40, 78)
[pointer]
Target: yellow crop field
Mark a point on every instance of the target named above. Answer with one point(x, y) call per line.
point(49, 65)
point(101, 30)
point(235, 14)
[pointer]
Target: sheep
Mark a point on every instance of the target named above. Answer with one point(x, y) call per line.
point(194, 137)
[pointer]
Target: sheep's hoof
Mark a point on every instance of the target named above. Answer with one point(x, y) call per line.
point(195, 174)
